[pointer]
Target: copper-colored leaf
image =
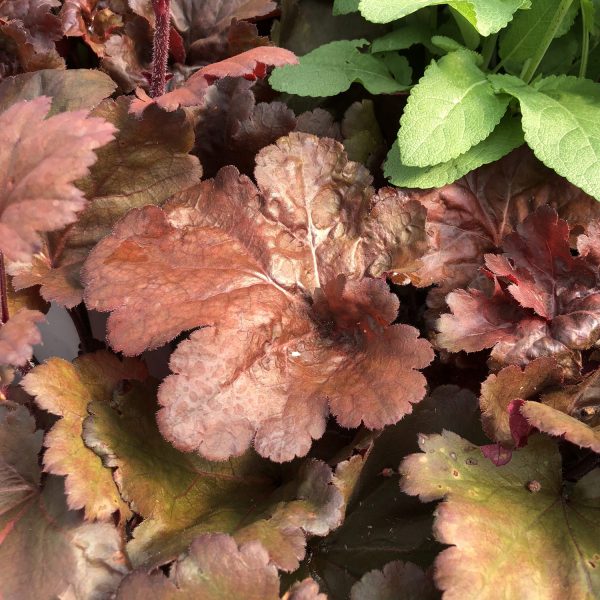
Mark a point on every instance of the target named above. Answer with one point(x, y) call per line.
point(47, 551)
point(146, 163)
point(557, 423)
point(39, 161)
point(18, 336)
point(243, 264)
point(65, 390)
point(512, 383)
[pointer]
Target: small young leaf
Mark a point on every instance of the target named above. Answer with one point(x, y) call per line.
point(436, 129)
point(513, 383)
point(507, 136)
point(487, 17)
point(544, 302)
point(501, 520)
point(561, 121)
point(331, 69)
point(401, 39)
point(345, 7)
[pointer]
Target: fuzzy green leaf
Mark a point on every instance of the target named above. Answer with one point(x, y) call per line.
point(331, 69)
point(486, 16)
point(401, 39)
point(450, 110)
point(507, 136)
point(344, 7)
point(514, 530)
point(522, 37)
point(561, 121)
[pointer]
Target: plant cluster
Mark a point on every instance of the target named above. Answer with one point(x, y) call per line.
point(294, 380)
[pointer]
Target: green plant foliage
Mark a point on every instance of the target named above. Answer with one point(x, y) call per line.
point(401, 39)
point(519, 41)
point(486, 16)
point(344, 7)
point(450, 110)
point(507, 136)
point(332, 68)
point(561, 121)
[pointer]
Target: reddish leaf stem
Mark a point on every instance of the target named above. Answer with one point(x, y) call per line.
point(3, 291)
point(160, 50)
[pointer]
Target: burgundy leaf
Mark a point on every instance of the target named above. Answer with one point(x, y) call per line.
point(545, 301)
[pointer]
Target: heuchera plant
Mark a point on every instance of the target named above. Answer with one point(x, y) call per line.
point(303, 370)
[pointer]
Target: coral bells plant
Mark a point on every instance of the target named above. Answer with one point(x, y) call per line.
point(298, 369)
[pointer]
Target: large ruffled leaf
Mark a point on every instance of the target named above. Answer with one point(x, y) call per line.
point(511, 527)
point(545, 301)
point(216, 568)
point(65, 389)
point(146, 163)
point(40, 158)
point(48, 551)
point(312, 342)
point(181, 495)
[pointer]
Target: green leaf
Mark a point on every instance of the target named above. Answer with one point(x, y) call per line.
point(507, 136)
point(401, 39)
point(399, 67)
point(451, 109)
point(561, 121)
point(486, 16)
point(331, 69)
point(522, 37)
point(513, 528)
point(181, 496)
point(344, 7)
